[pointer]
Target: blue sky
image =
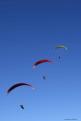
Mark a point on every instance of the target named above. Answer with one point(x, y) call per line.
point(29, 31)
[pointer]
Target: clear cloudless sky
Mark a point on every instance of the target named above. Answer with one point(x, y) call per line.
point(29, 31)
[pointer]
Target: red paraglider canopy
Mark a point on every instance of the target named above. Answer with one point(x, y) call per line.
point(40, 62)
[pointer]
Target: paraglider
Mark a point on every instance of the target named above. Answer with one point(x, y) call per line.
point(22, 107)
point(44, 77)
point(40, 62)
point(18, 85)
point(61, 46)
point(59, 57)
point(61, 50)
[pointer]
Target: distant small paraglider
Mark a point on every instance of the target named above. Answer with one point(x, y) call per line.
point(44, 77)
point(61, 46)
point(22, 107)
point(59, 57)
point(60, 50)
